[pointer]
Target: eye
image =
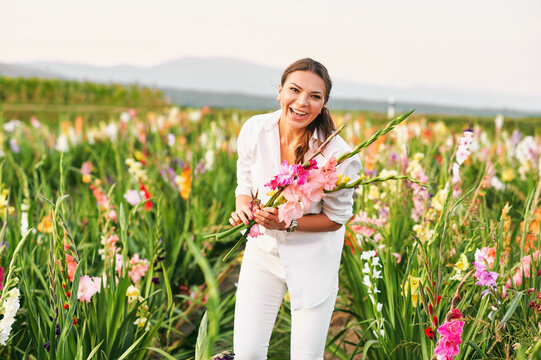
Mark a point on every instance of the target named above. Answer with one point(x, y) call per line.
point(317, 97)
point(294, 89)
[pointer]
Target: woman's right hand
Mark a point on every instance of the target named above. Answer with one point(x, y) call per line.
point(242, 214)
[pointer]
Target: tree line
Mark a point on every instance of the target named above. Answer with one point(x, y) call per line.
point(68, 92)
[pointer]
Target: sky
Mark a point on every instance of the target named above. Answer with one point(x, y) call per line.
point(492, 45)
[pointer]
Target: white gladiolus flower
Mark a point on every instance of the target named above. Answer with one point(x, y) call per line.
point(366, 281)
point(366, 269)
point(12, 125)
point(24, 223)
point(170, 139)
point(195, 116)
point(379, 307)
point(498, 121)
point(62, 143)
point(209, 160)
point(10, 307)
point(368, 254)
point(124, 117)
point(111, 131)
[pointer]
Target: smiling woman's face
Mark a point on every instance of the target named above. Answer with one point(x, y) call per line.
point(302, 97)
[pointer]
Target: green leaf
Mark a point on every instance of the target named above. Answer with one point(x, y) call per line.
point(511, 309)
point(131, 348)
point(201, 346)
point(161, 352)
point(476, 348)
point(94, 351)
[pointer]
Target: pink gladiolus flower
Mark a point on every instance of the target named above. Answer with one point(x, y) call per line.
point(486, 256)
point(138, 268)
point(255, 231)
point(112, 215)
point(464, 144)
point(284, 177)
point(289, 211)
point(86, 168)
point(312, 190)
point(366, 226)
point(448, 344)
point(330, 174)
point(72, 266)
point(525, 267)
point(87, 288)
point(118, 262)
point(133, 197)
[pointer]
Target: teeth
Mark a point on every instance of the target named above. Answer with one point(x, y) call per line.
point(298, 113)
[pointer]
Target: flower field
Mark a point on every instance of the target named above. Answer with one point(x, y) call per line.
point(104, 253)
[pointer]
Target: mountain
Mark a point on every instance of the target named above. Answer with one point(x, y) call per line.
point(241, 79)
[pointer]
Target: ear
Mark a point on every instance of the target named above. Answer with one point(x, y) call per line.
point(279, 92)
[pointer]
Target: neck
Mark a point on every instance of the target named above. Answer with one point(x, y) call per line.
point(288, 136)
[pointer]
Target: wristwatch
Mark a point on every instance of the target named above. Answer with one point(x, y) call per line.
point(292, 227)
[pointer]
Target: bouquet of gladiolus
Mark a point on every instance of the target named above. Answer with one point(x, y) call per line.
point(295, 187)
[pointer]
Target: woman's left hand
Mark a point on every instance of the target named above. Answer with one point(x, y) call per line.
point(268, 218)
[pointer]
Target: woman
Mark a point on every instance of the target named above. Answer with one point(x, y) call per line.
point(303, 257)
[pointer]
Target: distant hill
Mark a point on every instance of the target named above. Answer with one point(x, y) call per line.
point(196, 98)
point(235, 83)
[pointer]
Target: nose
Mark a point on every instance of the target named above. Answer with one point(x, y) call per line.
point(302, 99)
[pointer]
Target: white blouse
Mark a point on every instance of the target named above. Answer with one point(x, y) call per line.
point(311, 260)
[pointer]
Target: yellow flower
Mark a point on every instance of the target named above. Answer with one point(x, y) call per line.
point(342, 179)
point(142, 322)
point(423, 231)
point(412, 285)
point(86, 178)
point(438, 200)
point(418, 157)
point(373, 192)
point(132, 293)
point(139, 155)
point(4, 203)
point(508, 175)
point(463, 263)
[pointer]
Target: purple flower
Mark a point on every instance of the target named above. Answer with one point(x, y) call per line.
point(485, 277)
point(14, 146)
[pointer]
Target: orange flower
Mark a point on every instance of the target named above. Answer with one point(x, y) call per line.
point(531, 234)
point(184, 182)
point(46, 224)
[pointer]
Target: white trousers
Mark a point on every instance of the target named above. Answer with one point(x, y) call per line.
point(261, 289)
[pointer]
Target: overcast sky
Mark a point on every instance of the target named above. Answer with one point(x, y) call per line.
point(464, 44)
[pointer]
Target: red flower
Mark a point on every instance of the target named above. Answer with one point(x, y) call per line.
point(74, 321)
point(455, 314)
point(438, 300)
point(435, 320)
point(148, 204)
point(430, 333)
point(430, 309)
point(68, 294)
point(66, 306)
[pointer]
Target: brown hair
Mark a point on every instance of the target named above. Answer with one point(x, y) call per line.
point(323, 123)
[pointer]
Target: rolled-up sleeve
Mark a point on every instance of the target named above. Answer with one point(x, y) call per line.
point(338, 205)
point(244, 151)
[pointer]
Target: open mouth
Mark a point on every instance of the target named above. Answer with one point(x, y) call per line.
point(297, 114)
